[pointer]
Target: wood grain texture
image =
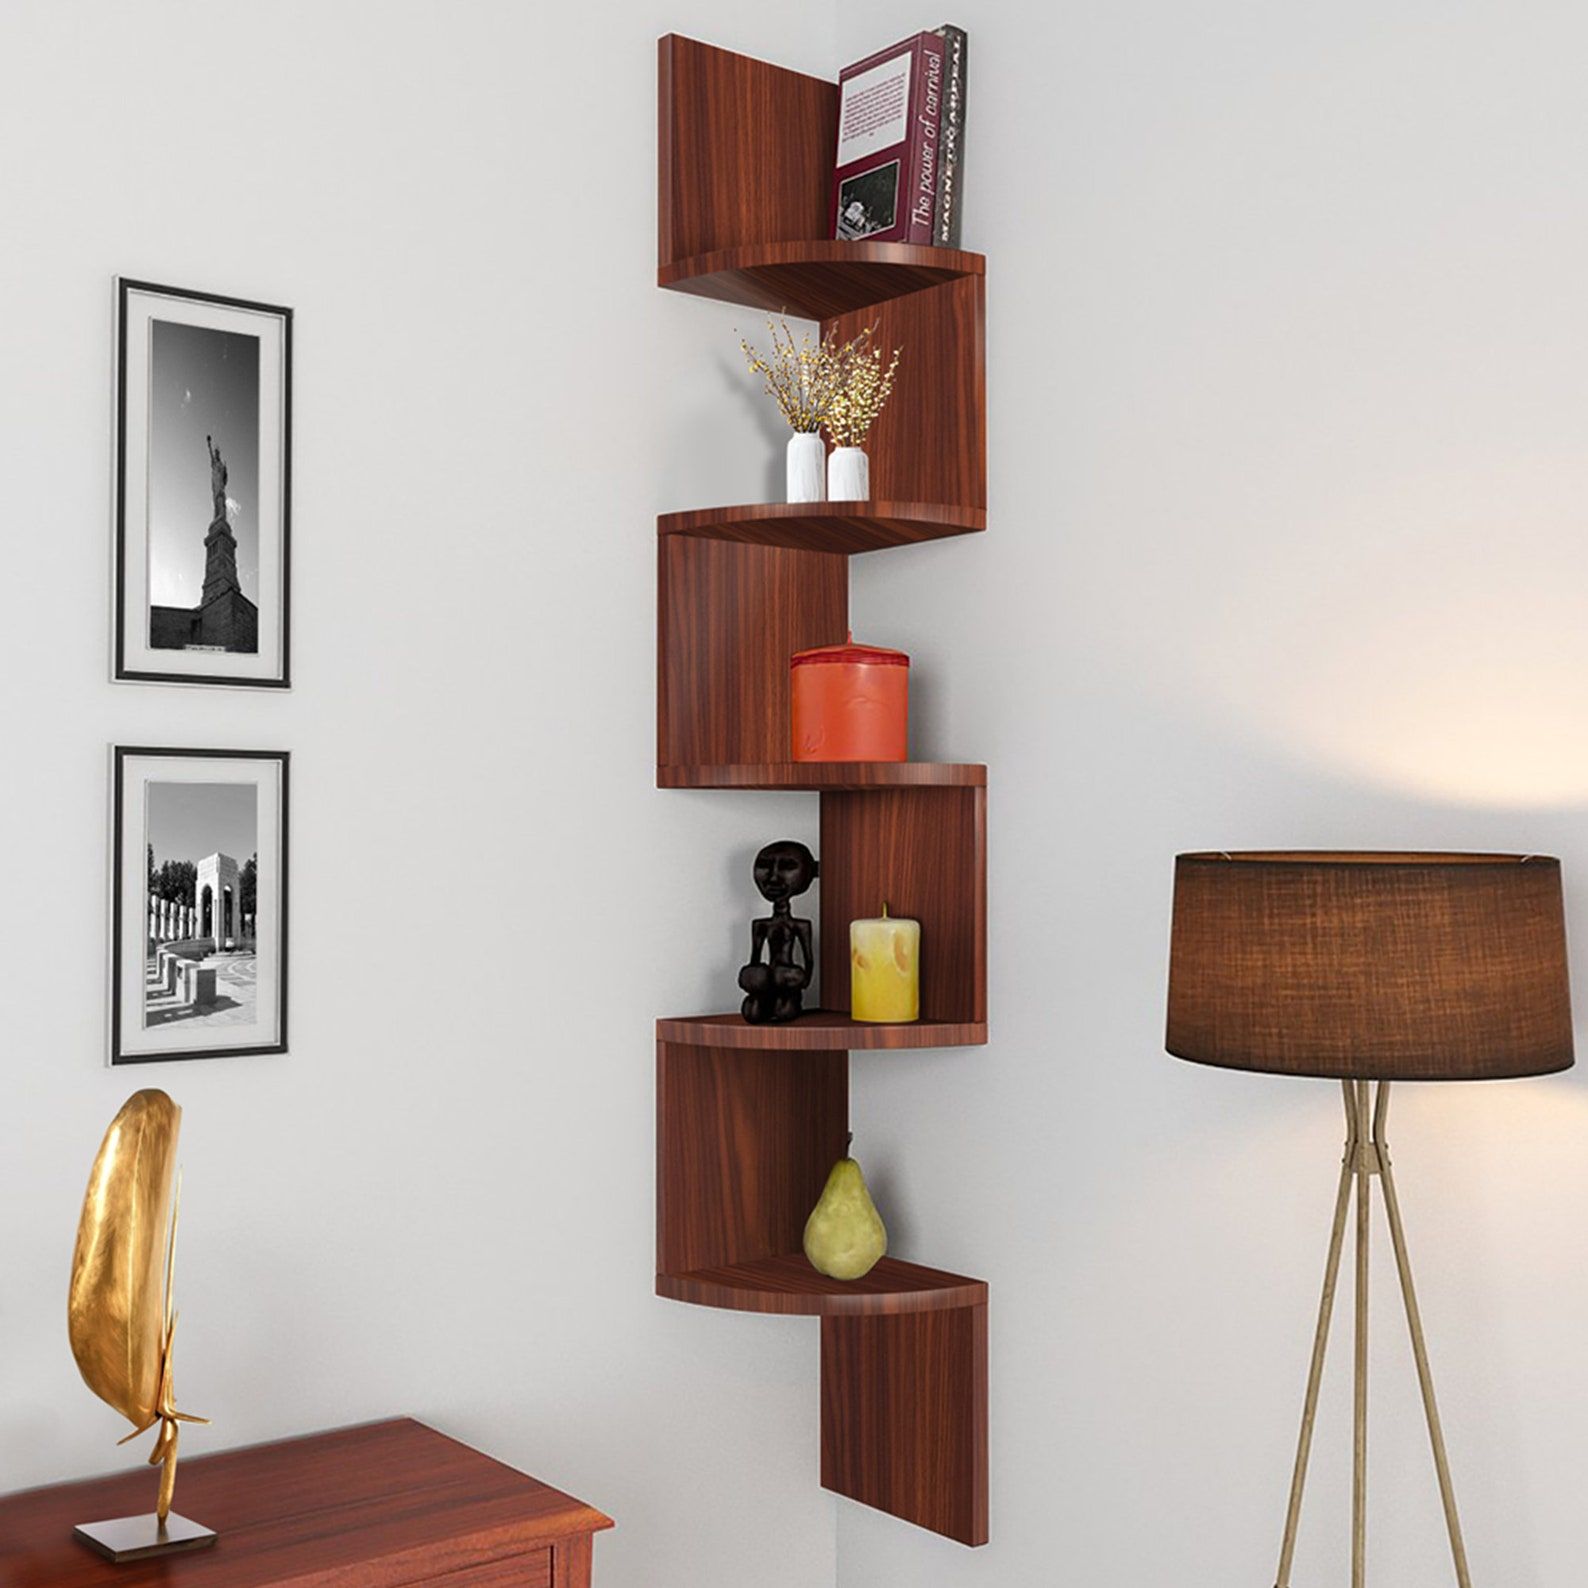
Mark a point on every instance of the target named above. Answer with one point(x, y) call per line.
point(523, 1572)
point(745, 151)
point(819, 1030)
point(749, 1119)
point(827, 526)
point(904, 1416)
point(788, 1284)
point(816, 775)
point(572, 1561)
point(730, 617)
point(923, 852)
point(744, 1144)
point(745, 181)
point(817, 280)
point(930, 442)
point(384, 1505)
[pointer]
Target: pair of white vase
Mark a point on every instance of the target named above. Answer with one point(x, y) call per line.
point(815, 475)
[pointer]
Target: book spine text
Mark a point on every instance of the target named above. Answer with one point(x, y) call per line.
point(951, 142)
point(925, 131)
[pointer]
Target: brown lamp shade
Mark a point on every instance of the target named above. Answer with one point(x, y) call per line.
point(1426, 967)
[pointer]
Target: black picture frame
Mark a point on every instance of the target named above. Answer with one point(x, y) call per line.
point(121, 671)
point(120, 755)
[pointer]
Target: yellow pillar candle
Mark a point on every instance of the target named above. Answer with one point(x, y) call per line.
point(885, 969)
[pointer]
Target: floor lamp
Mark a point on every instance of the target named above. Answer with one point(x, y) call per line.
point(1369, 968)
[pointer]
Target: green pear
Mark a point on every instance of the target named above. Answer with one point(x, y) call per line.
point(845, 1236)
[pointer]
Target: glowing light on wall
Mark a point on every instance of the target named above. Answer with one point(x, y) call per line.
point(1433, 640)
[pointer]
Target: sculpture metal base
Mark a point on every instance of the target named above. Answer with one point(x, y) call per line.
point(1367, 1156)
point(139, 1537)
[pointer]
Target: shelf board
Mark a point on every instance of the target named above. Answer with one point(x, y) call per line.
point(842, 527)
point(837, 775)
point(817, 279)
point(820, 1031)
point(790, 1285)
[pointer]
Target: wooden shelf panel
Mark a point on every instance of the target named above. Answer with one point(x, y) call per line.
point(790, 1285)
point(923, 852)
point(817, 775)
point(904, 1416)
point(820, 1031)
point(846, 528)
point(730, 618)
point(746, 151)
point(930, 442)
point(743, 1149)
point(819, 279)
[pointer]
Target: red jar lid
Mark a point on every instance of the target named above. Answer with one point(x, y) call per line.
point(852, 654)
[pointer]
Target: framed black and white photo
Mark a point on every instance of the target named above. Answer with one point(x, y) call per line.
point(198, 904)
point(203, 477)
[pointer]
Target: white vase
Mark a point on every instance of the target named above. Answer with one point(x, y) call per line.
point(848, 475)
point(807, 480)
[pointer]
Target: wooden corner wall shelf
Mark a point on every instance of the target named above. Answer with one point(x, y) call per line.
point(820, 1031)
point(789, 1284)
point(818, 775)
point(744, 1144)
point(751, 1118)
point(847, 528)
point(816, 280)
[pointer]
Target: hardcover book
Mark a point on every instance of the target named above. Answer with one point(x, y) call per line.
point(951, 139)
point(890, 109)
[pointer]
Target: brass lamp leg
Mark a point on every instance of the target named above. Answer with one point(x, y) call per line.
point(1414, 1322)
point(1320, 1344)
point(1366, 1155)
point(1359, 1408)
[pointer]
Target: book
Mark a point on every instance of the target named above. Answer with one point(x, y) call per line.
point(890, 109)
point(951, 139)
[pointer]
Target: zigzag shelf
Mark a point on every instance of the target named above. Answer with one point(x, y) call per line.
point(816, 280)
point(790, 1285)
point(818, 775)
point(749, 1119)
point(820, 1031)
point(847, 528)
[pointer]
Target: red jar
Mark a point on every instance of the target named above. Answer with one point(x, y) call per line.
point(851, 703)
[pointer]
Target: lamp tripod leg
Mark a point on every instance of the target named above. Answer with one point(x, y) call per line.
point(1414, 1322)
point(1359, 1404)
point(1320, 1345)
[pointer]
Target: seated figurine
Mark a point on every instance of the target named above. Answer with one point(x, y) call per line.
point(774, 990)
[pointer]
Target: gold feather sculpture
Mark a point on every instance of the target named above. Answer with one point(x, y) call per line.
point(121, 1314)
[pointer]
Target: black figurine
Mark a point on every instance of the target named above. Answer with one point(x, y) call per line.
point(774, 991)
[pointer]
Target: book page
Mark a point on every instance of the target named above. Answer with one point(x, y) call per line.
point(874, 110)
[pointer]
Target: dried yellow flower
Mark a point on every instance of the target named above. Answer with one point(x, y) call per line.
point(800, 377)
point(862, 391)
point(840, 385)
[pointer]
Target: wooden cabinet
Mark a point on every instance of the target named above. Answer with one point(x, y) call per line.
point(383, 1506)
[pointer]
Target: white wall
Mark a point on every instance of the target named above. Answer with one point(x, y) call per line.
point(442, 1201)
point(1287, 545)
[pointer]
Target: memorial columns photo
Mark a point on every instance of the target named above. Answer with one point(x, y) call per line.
point(199, 967)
